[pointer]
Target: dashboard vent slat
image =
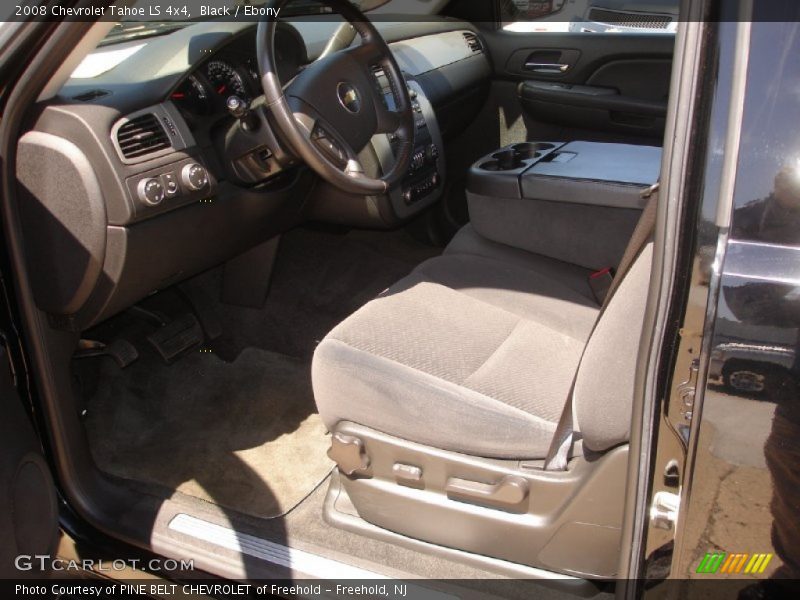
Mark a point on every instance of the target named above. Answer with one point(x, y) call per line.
point(473, 41)
point(142, 136)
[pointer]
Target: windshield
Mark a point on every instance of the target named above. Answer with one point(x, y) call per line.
point(143, 19)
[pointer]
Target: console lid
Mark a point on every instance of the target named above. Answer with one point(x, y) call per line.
point(594, 173)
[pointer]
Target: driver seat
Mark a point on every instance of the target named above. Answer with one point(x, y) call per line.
point(444, 393)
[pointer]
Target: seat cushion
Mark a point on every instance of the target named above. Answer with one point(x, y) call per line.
point(468, 353)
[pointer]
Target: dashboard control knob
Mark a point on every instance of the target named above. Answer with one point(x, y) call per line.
point(150, 191)
point(194, 176)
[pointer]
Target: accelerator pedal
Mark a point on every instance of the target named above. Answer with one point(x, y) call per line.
point(176, 337)
point(122, 351)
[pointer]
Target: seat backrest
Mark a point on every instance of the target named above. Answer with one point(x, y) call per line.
point(604, 384)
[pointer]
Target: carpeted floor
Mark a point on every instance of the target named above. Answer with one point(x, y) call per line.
point(244, 435)
point(234, 422)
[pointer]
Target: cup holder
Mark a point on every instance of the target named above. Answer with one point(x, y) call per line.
point(506, 160)
point(492, 165)
point(530, 150)
point(515, 157)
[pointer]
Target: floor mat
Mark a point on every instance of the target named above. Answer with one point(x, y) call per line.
point(244, 435)
point(235, 424)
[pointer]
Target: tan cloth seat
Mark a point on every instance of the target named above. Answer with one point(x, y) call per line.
point(475, 352)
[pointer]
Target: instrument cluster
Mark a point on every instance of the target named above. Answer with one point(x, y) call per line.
point(233, 71)
point(206, 90)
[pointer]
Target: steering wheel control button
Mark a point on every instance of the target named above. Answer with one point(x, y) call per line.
point(150, 191)
point(171, 186)
point(194, 176)
point(328, 146)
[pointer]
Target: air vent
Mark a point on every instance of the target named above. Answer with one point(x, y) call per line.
point(91, 95)
point(629, 19)
point(473, 41)
point(141, 136)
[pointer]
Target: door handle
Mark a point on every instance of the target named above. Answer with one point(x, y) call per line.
point(539, 67)
point(509, 491)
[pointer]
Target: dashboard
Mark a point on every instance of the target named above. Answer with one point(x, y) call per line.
point(151, 190)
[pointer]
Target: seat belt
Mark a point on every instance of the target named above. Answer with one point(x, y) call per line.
point(558, 453)
point(641, 234)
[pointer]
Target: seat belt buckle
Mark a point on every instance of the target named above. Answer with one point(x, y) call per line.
point(600, 282)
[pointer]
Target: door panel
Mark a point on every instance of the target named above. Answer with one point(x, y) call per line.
point(28, 508)
point(610, 83)
point(642, 78)
point(588, 52)
point(593, 107)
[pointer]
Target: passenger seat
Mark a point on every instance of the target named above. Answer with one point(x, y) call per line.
point(455, 378)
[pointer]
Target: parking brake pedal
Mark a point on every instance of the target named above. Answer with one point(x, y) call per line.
point(122, 351)
point(176, 337)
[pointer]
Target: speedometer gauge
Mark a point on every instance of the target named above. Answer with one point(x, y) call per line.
point(192, 96)
point(226, 80)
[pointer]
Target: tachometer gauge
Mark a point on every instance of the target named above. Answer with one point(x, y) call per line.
point(192, 96)
point(226, 80)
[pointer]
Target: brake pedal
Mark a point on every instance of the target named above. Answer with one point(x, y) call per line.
point(122, 351)
point(176, 337)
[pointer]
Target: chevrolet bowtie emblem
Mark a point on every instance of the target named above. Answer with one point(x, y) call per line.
point(348, 97)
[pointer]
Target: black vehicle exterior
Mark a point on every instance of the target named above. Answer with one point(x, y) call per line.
point(735, 384)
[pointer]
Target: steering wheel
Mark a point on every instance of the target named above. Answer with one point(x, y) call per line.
point(331, 110)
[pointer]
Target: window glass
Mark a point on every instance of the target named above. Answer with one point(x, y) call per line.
point(768, 182)
point(590, 16)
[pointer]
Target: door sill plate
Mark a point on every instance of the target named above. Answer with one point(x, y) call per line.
point(299, 561)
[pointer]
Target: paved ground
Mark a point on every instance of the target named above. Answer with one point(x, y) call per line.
point(732, 488)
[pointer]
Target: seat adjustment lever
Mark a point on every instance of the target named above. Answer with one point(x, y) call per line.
point(349, 454)
point(509, 491)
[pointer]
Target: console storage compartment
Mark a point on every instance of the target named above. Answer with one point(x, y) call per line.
point(577, 202)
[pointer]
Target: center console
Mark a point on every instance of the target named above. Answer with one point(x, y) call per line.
point(577, 202)
point(423, 183)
